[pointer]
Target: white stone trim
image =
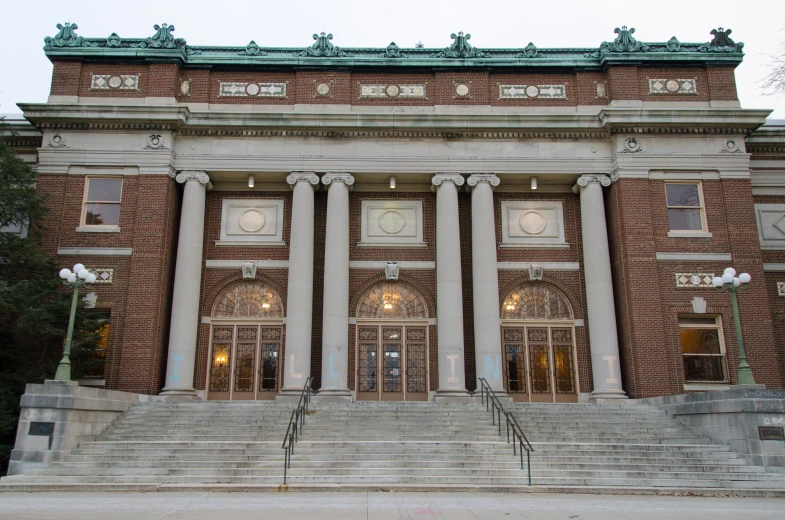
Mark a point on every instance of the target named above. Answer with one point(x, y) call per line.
point(780, 288)
point(372, 264)
point(502, 245)
point(767, 191)
point(770, 220)
point(98, 229)
point(238, 264)
point(684, 176)
point(706, 387)
point(689, 234)
point(693, 257)
point(550, 215)
point(774, 267)
point(94, 251)
point(372, 226)
point(547, 266)
point(578, 323)
point(206, 320)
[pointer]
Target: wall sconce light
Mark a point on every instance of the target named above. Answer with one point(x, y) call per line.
point(265, 305)
point(392, 182)
point(510, 306)
point(220, 360)
point(387, 306)
point(534, 183)
point(251, 180)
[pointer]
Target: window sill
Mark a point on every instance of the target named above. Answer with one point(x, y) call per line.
point(534, 245)
point(398, 245)
point(706, 387)
point(98, 229)
point(250, 243)
point(689, 234)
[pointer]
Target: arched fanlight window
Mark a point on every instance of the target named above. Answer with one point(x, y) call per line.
point(248, 299)
point(392, 301)
point(536, 301)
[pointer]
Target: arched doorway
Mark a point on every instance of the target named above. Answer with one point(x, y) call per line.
point(392, 344)
point(245, 343)
point(538, 344)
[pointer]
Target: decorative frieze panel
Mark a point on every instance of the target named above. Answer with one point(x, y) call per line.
point(780, 288)
point(391, 223)
point(251, 222)
point(109, 82)
point(239, 89)
point(403, 91)
point(533, 224)
point(694, 280)
point(771, 225)
point(532, 91)
point(672, 86)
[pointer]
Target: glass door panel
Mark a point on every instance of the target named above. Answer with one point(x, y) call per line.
point(392, 364)
point(367, 368)
point(220, 362)
point(416, 364)
point(539, 362)
point(268, 364)
point(563, 366)
point(514, 351)
point(245, 364)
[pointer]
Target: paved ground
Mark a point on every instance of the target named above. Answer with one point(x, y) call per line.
point(382, 506)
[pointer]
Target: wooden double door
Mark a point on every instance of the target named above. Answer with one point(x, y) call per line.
point(539, 363)
point(392, 362)
point(244, 362)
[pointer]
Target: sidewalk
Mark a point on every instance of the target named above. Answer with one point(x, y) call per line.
point(382, 506)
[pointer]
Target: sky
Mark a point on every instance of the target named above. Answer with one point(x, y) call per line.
point(26, 72)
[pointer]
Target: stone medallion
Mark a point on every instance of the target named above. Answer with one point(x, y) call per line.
point(392, 90)
point(462, 90)
point(323, 89)
point(252, 220)
point(532, 222)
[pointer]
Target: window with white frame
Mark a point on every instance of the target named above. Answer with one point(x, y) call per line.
point(685, 206)
point(102, 201)
point(703, 349)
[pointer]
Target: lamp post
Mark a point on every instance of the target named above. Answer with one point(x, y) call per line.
point(731, 283)
point(79, 277)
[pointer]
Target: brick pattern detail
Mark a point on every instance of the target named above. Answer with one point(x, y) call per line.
point(163, 80)
point(647, 302)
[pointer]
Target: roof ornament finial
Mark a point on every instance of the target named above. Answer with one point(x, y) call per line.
point(460, 48)
point(393, 51)
point(323, 48)
point(530, 51)
point(162, 39)
point(67, 37)
point(252, 49)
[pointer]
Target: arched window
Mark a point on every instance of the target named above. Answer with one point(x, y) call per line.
point(248, 299)
point(392, 301)
point(536, 301)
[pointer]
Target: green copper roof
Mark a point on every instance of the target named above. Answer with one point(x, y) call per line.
point(163, 46)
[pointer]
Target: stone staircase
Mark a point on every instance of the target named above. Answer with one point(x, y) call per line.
point(399, 446)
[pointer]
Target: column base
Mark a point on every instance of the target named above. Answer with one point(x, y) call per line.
point(503, 397)
point(291, 394)
point(334, 395)
point(178, 394)
point(452, 396)
point(609, 397)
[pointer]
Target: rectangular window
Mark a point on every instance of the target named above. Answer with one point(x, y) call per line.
point(102, 201)
point(685, 206)
point(703, 348)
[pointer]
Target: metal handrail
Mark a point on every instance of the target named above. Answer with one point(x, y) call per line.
point(295, 427)
point(493, 405)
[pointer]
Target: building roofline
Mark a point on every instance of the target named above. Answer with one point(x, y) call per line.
point(624, 50)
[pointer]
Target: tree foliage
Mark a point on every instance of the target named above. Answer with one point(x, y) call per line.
point(33, 307)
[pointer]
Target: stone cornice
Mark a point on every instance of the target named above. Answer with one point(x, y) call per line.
point(346, 123)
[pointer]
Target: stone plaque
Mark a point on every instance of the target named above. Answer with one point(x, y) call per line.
point(771, 433)
point(47, 429)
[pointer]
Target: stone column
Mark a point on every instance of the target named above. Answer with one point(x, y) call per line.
point(600, 304)
point(187, 283)
point(449, 296)
point(335, 323)
point(299, 298)
point(485, 283)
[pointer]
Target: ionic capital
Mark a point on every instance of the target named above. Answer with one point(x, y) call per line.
point(455, 178)
point(192, 175)
point(295, 177)
point(476, 178)
point(331, 177)
point(588, 178)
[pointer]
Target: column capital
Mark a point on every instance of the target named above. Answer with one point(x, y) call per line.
point(455, 178)
point(295, 177)
point(490, 178)
point(331, 177)
point(587, 178)
point(192, 175)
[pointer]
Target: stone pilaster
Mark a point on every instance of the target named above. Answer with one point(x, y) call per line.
point(600, 303)
point(299, 299)
point(335, 322)
point(187, 277)
point(485, 283)
point(449, 295)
